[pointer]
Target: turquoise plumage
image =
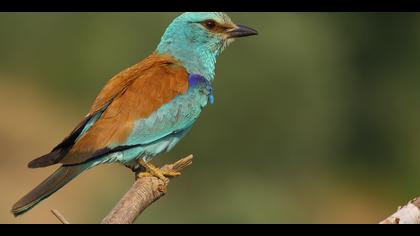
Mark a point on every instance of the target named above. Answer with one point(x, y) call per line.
point(146, 109)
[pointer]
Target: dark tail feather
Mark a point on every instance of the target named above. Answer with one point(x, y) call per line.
point(47, 160)
point(49, 186)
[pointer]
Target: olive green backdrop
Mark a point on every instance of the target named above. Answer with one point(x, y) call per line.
point(316, 119)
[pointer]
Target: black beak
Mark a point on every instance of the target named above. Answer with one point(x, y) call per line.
point(241, 31)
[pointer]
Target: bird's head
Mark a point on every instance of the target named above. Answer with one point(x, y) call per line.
point(197, 38)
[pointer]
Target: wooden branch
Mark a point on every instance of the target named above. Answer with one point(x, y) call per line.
point(142, 194)
point(408, 214)
point(60, 217)
point(147, 190)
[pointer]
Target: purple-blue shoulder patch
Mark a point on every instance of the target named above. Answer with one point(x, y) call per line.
point(196, 79)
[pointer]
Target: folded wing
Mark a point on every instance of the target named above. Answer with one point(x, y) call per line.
point(124, 105)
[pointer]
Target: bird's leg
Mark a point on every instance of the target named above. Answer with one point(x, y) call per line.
point(152, 170)
point(136, 168)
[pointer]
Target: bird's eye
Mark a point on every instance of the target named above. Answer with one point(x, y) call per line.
point(209, 24)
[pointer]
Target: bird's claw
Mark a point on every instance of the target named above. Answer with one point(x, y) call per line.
point(154, 171)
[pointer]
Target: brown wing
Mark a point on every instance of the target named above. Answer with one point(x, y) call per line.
point(132, 94)
point(143, 89)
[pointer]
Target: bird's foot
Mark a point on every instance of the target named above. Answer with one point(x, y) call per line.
point(152, 170)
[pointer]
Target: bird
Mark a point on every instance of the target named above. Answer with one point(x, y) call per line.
point(146, 109)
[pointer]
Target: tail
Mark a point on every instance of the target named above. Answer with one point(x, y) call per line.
point(49, 186)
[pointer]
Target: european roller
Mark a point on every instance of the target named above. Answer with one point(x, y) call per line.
point(146, 109)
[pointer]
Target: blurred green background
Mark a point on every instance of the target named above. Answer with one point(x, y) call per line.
point(316, 119)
